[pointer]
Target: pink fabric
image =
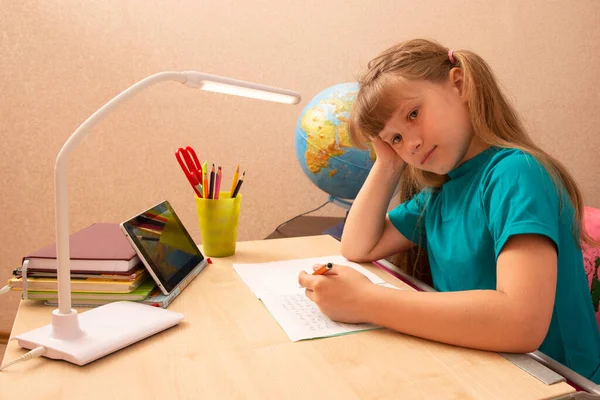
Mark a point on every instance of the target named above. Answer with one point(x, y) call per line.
point(591, 255)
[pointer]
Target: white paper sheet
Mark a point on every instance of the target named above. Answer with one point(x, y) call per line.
point(280, 277)
point(276, 285)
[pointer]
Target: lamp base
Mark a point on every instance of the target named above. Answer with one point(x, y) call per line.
point(100, 331)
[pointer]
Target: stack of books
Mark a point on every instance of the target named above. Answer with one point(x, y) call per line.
point(104, 268)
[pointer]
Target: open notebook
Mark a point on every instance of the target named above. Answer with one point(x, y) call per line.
point(276, 285)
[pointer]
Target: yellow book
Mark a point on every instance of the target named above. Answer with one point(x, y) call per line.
point(96, 285)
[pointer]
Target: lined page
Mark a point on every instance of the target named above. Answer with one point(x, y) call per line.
point(301, 319)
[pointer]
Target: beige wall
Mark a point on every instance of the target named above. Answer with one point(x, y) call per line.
point(61, 60)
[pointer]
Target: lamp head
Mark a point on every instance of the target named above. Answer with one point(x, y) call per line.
point(219, 84)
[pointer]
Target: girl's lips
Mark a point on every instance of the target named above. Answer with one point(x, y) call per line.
point(428, 155)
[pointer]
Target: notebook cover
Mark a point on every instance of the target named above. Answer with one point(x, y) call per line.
point(101, 241)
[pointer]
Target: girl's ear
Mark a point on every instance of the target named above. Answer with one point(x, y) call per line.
point(456, 78)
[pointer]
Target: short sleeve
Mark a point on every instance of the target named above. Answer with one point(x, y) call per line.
point(519, 197)
point(409, 218)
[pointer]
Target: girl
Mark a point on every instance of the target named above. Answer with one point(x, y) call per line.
point(498, 218)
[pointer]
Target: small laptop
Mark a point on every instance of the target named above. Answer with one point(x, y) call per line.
point(164, 245)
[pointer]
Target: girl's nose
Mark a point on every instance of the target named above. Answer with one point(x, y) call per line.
point(414, 145)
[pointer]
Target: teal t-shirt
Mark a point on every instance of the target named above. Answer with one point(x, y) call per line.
point(466, 223)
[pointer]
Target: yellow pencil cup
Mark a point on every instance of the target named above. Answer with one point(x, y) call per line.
point(218, 219)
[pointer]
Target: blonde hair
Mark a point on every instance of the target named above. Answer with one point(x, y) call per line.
point(493, 119)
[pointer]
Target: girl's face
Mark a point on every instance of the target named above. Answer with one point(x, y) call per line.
point(430, 128)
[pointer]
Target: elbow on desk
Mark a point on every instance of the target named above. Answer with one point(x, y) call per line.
point(527, 335)
point(354, 256)
point(350, 250)
point(525, 345)
point(532, 340)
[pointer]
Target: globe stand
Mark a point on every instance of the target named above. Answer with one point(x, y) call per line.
point(337, 230)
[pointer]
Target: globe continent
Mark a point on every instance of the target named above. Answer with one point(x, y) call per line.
point(323, 146)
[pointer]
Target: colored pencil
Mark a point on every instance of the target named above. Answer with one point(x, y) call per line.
point(205, 187)
point(234, 181)
point(205, 179)
point(238, 186)
point(218, 181)
point(211, 193)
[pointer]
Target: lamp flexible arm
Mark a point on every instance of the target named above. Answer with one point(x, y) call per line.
point(60, 181)
point(193, 79)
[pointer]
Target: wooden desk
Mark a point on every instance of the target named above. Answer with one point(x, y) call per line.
point(229, 346)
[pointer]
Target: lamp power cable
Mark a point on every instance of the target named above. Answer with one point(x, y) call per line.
point(38, 351)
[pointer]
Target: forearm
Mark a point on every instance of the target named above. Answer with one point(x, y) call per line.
point(365, 222)
point(480, 319)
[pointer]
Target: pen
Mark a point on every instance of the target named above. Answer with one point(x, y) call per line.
point(323, 269)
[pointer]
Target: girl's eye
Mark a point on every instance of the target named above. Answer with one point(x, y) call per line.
point(396, 139)
point(413, 114)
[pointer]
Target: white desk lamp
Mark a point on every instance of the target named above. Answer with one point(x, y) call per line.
point(103, 330)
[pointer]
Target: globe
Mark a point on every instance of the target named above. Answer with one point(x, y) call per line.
point(323, 146)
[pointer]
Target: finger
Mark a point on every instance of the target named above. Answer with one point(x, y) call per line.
point(376, 141)
point(305, 279)
point(310, 294)
point(317, 266)
point(379, 145)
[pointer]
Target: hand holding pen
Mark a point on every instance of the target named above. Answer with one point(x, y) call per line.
point(339, 291)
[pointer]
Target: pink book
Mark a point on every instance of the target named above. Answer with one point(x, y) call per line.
point(100, 247)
